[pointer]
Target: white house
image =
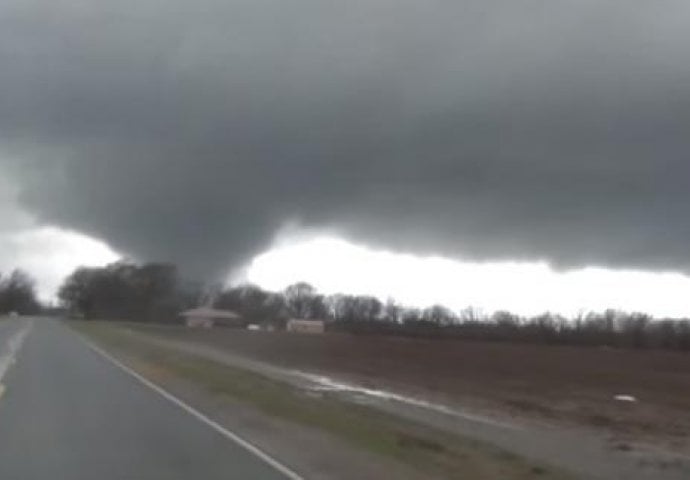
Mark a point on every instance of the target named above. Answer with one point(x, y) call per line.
point(207, 317)
point(306, 326)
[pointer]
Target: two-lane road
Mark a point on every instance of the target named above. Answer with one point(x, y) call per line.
point(68, 413)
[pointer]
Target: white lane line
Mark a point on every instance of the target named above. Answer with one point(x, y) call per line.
point(197, 414)
point(13, 345)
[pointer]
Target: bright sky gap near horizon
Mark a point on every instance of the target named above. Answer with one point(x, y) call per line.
point(334, 265)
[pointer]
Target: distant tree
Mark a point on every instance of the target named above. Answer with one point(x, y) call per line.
point(18, 294)
point(318, 308)
point(125, 291)
point(439, 315)
point(250, 301)
point(410, 316)
point(355, 308)
point(505, 325)
point(471, 315)
point(299, 299)
point(154, 287)
point(544, 327)
point(392, 311)
point(341, 307)
point(77, 291)
point(254, 304)
point(274, 307)
point(368, 308)
point(683, 334)
point(664, 334)
point(231, 299)
point(634, 329)
point(505, 319)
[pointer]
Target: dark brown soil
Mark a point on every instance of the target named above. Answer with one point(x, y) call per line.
point(559, 384)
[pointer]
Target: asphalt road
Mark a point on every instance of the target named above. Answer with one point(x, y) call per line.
point(68, 413)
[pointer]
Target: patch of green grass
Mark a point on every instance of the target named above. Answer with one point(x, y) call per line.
point(426, 449)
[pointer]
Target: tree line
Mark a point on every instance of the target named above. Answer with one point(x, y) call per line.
point(154, 292)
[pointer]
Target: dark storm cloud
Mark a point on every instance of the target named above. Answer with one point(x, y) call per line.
point(492, 129)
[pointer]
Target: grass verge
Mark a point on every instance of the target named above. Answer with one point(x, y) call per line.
point(425, 449)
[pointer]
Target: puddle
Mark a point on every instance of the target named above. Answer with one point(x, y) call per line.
point(364, 395)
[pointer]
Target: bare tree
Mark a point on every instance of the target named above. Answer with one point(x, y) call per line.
point(299, 299)
point(392, 311)
point(439, 315)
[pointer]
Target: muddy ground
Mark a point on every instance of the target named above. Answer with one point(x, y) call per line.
point(569, 385)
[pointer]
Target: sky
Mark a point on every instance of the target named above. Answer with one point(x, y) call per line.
point(49, 253)
point(481, 131)
point(336, 265)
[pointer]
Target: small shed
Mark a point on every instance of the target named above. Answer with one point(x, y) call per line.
point(306, 326)
point(207, 317)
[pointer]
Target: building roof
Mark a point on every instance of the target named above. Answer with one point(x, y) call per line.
point(208, 312)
